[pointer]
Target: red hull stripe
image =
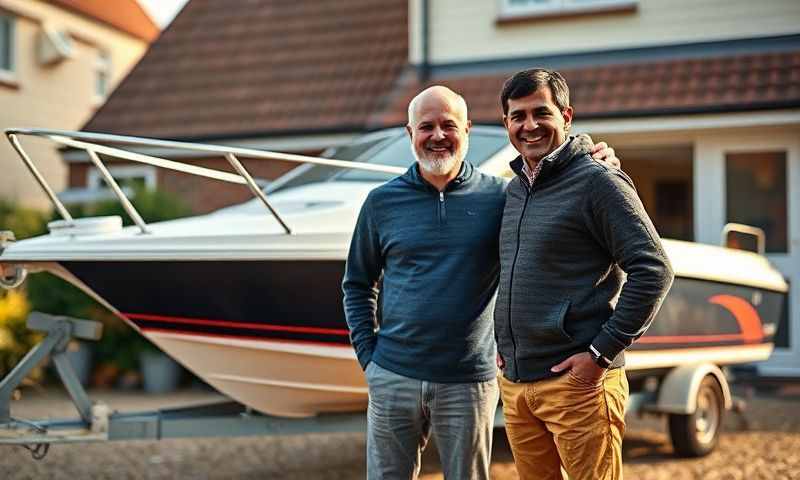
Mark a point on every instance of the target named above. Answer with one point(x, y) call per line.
point(691, 338)
point(243, 337)
point(221, 323)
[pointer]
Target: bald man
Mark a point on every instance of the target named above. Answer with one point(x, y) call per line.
point(431, 237)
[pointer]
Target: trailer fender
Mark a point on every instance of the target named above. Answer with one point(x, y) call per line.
point(678, 391)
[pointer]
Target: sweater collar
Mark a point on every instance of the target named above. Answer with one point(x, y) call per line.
point(573, 147)
point(414, 177)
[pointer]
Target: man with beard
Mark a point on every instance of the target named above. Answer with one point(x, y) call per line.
point(571, 228)
point(431, 237)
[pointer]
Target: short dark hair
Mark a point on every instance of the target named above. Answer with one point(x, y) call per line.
point(528, 81)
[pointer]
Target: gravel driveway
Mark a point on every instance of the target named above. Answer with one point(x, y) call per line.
point(768, 448)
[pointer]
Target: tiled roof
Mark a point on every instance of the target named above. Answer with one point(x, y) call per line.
point(125, 15)
point(243, 68)
point(731, 83)
point(249, 67)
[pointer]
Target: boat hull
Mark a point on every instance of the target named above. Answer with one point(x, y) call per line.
point(282, 300)
point(272, 334)
point(272, 377)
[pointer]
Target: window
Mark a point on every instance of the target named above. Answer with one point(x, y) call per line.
point(129, 178)
point(513, 8)
point(755, 194)
point(673, 208)
point(6, 44)
point(102, 77)
point(664, 179)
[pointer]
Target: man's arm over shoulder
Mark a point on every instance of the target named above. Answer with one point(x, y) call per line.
point(619, 222)
point(360, 284)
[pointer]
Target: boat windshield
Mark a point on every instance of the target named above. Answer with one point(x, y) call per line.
point(482, 146)
point(394, 150)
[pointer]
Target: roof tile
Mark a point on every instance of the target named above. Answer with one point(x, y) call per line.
point(767, 80)
point(262, 66)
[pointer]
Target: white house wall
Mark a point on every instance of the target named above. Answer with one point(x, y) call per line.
point(467, 30)
point(60, 96)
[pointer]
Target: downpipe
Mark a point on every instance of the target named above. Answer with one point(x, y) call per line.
point(11, 276)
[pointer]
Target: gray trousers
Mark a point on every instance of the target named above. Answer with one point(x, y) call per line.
point(403, 412)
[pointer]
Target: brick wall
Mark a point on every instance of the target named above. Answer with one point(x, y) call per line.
point(77, 175)
point(205, 195)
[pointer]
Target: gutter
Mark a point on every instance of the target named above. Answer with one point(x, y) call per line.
point(425, 66)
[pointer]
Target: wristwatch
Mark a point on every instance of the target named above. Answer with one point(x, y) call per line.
point(598, 358)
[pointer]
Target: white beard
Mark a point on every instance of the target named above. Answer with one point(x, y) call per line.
point(441, 164)
point(438, 166)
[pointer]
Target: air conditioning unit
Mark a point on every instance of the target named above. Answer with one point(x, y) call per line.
point(53, 46)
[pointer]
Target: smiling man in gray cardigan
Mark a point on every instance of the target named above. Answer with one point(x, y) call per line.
point(563, 317)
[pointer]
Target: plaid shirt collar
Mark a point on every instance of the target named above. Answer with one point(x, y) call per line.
point(532, 174)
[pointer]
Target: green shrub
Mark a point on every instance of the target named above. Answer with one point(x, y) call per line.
point(152, 205)
point(24, 222)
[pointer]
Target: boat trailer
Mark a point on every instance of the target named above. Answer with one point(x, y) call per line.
point(693, 397)
point(97, 422)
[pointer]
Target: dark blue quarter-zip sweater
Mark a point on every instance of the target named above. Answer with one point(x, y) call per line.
point(434, 256)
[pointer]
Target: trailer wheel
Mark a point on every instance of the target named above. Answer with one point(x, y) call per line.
point(697, 434)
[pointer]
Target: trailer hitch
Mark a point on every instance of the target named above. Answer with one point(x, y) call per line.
point(11, 276)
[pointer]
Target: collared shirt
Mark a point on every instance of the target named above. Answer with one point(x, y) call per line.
point(532, 174)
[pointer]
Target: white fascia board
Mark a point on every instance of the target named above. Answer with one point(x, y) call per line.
point(295, 143)
point(676, 123)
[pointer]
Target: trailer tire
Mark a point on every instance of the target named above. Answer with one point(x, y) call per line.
point(696, 434)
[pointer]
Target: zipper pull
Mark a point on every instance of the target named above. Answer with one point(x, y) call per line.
point(442, 213)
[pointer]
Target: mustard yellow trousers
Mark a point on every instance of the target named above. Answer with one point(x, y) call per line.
point(563, 426)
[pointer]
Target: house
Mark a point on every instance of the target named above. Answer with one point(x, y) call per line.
point(298, 76)
point(701, 100)
point(59, 60)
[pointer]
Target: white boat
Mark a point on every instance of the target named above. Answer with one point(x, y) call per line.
point(249, 299)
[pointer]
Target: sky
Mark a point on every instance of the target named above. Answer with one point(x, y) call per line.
point(162, 11)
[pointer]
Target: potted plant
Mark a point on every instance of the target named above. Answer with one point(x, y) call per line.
point(160, 373)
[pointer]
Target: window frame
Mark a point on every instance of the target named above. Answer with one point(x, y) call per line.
point(95, 180)
point(102, 70)
point(508, 11)
point(9, 74)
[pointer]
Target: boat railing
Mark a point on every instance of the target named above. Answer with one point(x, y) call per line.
point(97, 144)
